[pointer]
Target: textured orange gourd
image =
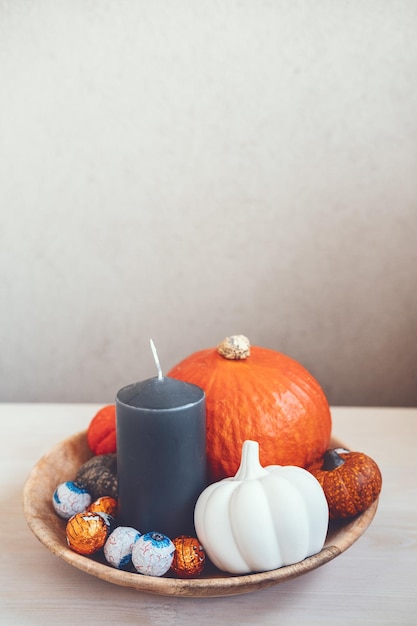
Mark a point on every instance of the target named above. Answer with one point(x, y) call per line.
point(351, 482)
point(101, 432)
point(261, 395)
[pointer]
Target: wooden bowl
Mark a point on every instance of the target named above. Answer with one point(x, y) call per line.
point(62, 463)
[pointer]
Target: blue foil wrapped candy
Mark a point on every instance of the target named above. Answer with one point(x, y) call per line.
point(118, 547)
point(153, 554)
point(70, 498)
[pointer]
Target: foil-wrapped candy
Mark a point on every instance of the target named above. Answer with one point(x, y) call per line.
point(87, 532)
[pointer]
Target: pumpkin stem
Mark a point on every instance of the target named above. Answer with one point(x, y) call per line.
point(331, 460)
point(234, 347)
point(250, 466)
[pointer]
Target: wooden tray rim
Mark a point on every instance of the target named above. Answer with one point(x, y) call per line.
point(50, 531)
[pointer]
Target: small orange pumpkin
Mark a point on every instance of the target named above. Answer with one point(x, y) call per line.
point(351, 482)
point(101, 432)
point(258, 394)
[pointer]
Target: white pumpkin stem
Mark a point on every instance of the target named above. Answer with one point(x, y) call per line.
point(234, 347)
point(250, 466)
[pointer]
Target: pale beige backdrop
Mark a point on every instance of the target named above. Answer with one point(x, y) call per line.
point(188, 170)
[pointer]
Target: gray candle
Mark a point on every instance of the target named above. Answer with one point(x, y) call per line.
point(161, 453)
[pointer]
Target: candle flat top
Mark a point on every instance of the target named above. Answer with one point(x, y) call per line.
point(160, 393)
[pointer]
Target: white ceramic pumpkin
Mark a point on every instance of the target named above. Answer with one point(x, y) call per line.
point(263, 517)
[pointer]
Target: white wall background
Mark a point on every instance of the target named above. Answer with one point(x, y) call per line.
point(187, 170)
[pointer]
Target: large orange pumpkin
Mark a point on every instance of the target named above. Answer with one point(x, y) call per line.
point(259, 394)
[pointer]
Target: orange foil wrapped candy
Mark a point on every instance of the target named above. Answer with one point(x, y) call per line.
point(104, 504)
point(87, 532)
point(189, 557)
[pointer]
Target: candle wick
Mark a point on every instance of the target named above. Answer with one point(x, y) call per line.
point(156, 359)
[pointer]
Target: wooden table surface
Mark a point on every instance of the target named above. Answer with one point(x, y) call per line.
point(374, 582)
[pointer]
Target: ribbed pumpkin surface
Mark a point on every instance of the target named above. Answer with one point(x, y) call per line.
point(269, 398)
